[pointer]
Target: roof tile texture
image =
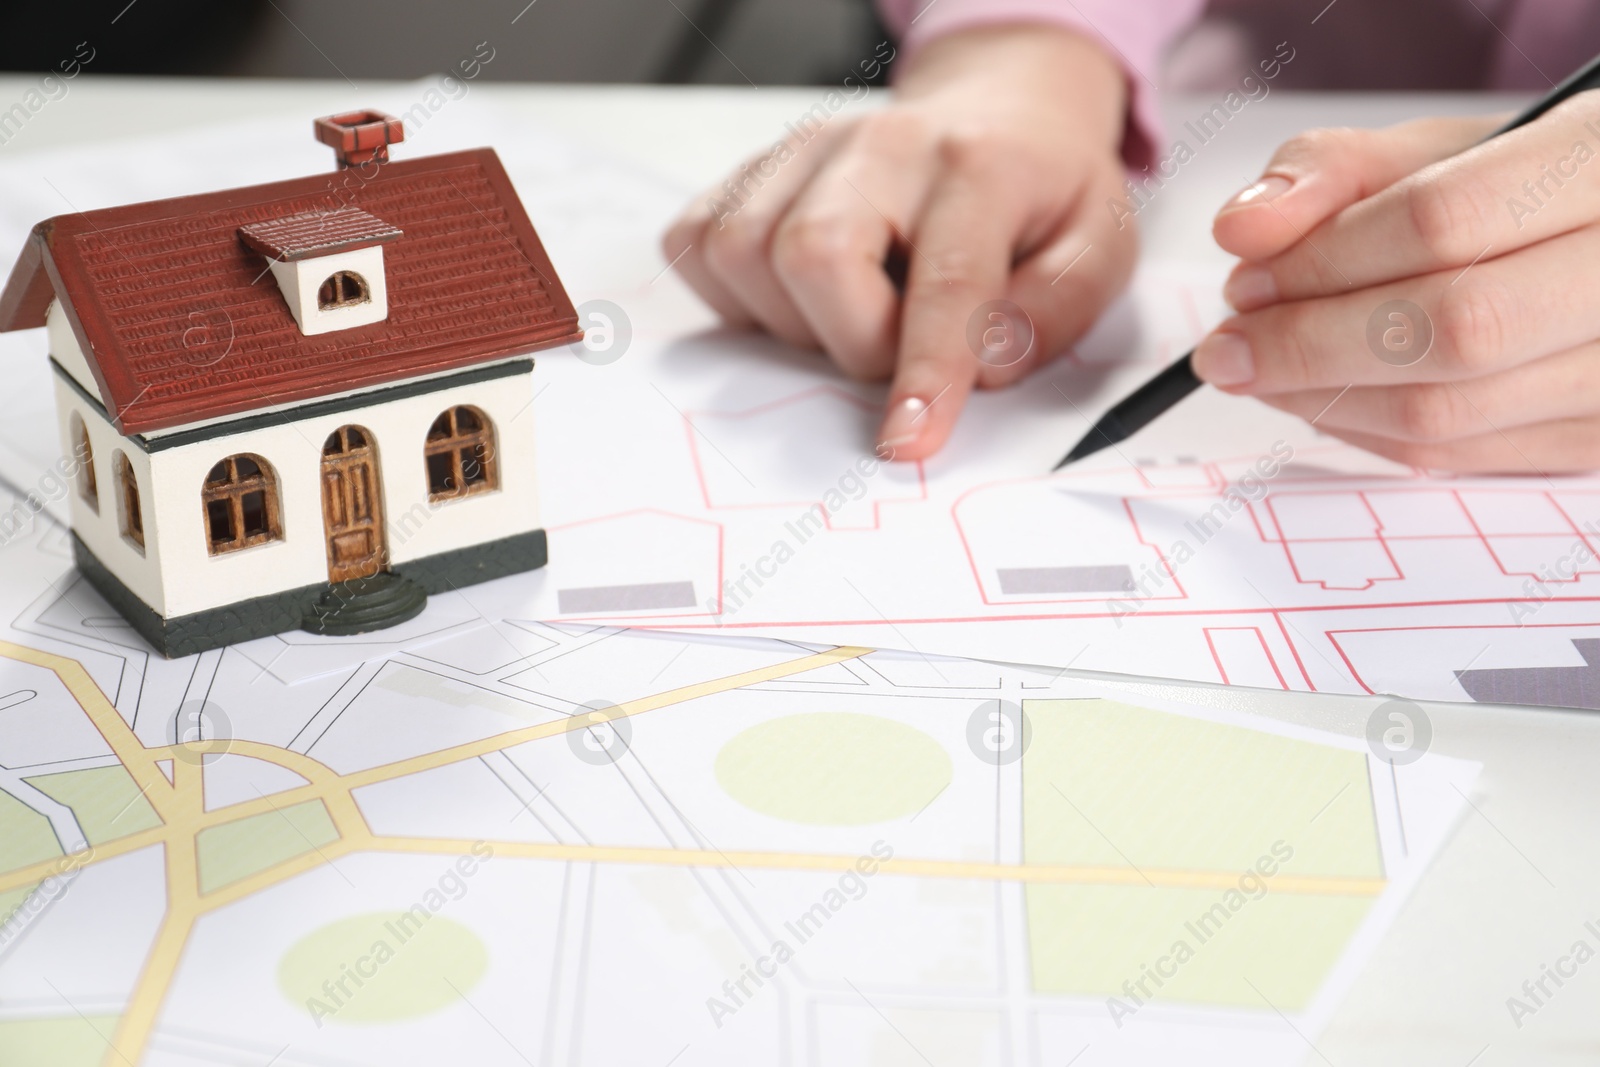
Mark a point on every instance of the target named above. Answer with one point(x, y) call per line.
point(185, 323)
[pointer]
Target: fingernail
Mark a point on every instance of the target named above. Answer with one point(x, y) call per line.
point(903, 423)
point(1268, 188)
point(1224, 359)
point(1250, 287)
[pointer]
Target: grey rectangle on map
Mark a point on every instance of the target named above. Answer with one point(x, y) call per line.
point(1116, 578)
point(605, 598)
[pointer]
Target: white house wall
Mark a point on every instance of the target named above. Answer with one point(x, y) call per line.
point(101, 531)
point(65, 350)
point(194, 580)
point(301, 279)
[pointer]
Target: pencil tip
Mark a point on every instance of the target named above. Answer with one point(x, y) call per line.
point(1085, 447)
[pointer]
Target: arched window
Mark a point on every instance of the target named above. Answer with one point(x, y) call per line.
point(83, 456)
point(132, 514)
point(460, 454)
point(342, 289)
point(241, 503)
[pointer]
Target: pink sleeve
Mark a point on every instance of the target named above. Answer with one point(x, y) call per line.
point(1136, 32)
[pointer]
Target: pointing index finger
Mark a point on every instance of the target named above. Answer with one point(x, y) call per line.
point(960, 258)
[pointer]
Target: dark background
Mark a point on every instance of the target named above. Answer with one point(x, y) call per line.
point(761, 42)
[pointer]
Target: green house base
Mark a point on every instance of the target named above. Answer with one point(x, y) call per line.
point(358, 606)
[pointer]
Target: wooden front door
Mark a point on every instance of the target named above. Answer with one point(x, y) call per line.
point(352, 505)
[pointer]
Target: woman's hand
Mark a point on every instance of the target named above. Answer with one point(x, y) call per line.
point(989, 172)
point(1442, 310)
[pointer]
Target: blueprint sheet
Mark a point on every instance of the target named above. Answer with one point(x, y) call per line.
point(717, 482)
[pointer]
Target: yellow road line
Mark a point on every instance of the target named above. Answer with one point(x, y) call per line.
point(313, 770)
point(139, 1017)
point(1047, 874)
point(499, 742)
point(180, 803)
point(60, 865)
point(139, 761)
point(188, 783)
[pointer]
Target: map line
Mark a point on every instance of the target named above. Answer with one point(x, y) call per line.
point(179, 804)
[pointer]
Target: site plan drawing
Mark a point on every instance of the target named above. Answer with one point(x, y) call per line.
point(488, 839)
point(670, 800)
point(700, 479)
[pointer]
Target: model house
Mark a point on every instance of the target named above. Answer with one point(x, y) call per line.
point(306, 404)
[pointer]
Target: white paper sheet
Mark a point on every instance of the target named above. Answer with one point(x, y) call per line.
point(765, 853)
point(1042, 867)
point(715, 481)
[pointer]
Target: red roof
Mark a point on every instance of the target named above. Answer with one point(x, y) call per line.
point(182, 322)
point(317, 234)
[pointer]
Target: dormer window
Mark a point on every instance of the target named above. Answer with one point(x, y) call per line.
point(329, 266)
point(342, 289)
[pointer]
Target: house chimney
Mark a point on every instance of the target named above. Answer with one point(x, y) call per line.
point(359, 136)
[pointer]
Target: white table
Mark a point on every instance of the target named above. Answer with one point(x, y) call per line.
point(1515, 885)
